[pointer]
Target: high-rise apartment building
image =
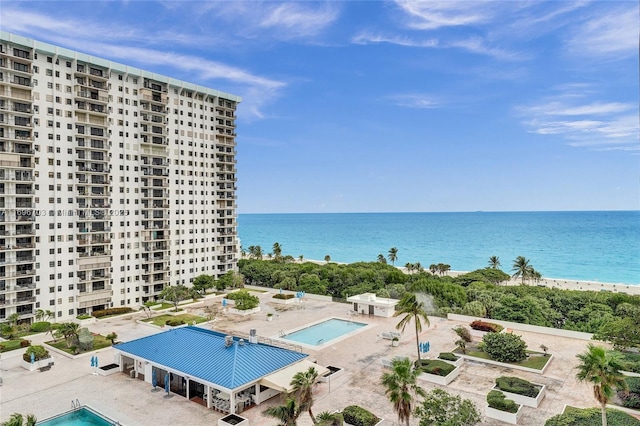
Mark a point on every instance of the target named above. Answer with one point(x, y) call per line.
point(114, 182)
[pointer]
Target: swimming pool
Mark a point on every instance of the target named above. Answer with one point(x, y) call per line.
point(83, 416)
point(321, 333)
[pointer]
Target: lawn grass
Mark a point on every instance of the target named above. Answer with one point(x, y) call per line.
point(164, 305)
point(99, 342)
point(161, 320)
point(10, 345)
point(536, 360)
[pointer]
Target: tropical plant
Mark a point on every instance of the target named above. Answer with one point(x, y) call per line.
point(112, 336)
point(401, 387)
point(175, 294)
point(39, 352)
point(327, 258)
point(463, 333)
point(590, 417)
point(462, 345)
point(412, 309)
point(393, 255)
point(70, 331)
point(287, 414)
point(381, 258)
point(329, 419)
point(303, 383)
point(522, 269)
point(358, 416)
point(440, 408)
point(601, 368)
point(277, 251)
point(17, 419)
point(494, 262)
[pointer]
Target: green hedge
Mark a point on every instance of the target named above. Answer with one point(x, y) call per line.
point(631, 399)
point(518, 385)
point(283, 296)
point(40, 327)
point(358, 416)
point(499, 401)
point(448, 356)
point(590, 417)
point(486, 326)
point(174, 322)
point(111, 311)
point(631, 361)
point(439, 368)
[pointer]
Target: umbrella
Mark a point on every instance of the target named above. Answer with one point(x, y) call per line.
point(96, 362)
point(166, 383)
point(93, 361)
point(154, 381)
point(33, 357)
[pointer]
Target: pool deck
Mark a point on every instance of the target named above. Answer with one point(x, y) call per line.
point(132, 402)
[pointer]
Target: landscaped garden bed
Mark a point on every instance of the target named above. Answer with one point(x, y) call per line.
point(13, 344)
point(40, 357)
point(174, 320)
point(451, 358)
point(332, 374)
point(629, 401)
point(479, 328)
point(503, 409)
point(99, 342)
point(355, 415)
point(437, 371)
point(284, 298)
point(591, 416)
point(108, 369)
point(521, 391)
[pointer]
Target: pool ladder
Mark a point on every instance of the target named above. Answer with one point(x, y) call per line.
point(282, 333)
point(75, 405)
point(319, 342)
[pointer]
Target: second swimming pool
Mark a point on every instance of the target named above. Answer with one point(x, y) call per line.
point(321, 333)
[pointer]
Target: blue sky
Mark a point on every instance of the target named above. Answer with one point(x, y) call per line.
point(394, 106)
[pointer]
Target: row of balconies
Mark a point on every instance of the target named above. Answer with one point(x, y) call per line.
point(22, 94)
point(19, 274)
point(16, 175)
point(9, 259)
point(19, 231)
point(12, 302)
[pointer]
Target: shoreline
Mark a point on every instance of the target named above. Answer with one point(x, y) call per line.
point(559, 283)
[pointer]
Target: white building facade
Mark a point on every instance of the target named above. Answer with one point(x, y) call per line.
point(114, 182)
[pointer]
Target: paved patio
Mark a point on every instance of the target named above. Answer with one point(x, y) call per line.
point(131, 401)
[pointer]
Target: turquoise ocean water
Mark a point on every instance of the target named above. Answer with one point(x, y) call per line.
point(594, 246)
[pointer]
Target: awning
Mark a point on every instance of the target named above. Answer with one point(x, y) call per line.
point(281, 380)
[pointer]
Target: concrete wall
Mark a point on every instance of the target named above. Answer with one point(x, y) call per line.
point(276, 290)
point(526, 327)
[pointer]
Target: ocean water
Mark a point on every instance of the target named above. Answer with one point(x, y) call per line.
point(594, 246)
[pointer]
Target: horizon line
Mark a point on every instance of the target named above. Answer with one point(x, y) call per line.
point(443, 211)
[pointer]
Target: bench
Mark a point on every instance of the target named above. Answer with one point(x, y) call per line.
point(390, 335)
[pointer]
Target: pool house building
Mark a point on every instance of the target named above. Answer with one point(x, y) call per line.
point(221, 372)
point(370, 304)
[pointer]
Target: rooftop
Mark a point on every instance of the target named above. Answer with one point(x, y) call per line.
point(202, 354)
point(372, 299)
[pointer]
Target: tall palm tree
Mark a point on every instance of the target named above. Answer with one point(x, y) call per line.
point(433, 268)
point(381, 258)
point(303, 382)
point(393, 255)
point(258, 253)
point(418, 267)
point(327, 258)
point(601, 368)
point(411, 308)
point(277, 251)
point(409, 267)
point(494, 262)
point(16, 419)
point(287, 414)
point(521, 268)
point(401, 388)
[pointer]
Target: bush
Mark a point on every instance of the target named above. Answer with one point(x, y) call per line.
point(505, 347)
point(632, 398)
point(284, 296)
point(631, 361)
point(111, 311)
point(40, 327)
point(463, 333)
point(486, 326)
point(358, 416)
point(448, 356)
point(39, 352)
point(25, 343)
point(590, 417)
point(439, 368)
point(244, 300)
point(83, 316)
point(497, 400)
point(518, 385)
point(174, 322)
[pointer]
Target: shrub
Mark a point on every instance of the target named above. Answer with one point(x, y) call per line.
point(497, 400)
point(591, 416)
point(486, 326)
point(83, 316)
point(40, 327)
point(439, 368)
point(631, 361)
point(517, 385)
point(448, 356)
point(463, 333)
point(631, 400)
point(173, 322)
point(284, 296)
point(505, 347)
point(358, 416)
point(25, 343)
point(111, 311)
point(39, 352)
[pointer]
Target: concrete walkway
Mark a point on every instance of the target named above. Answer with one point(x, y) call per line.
point(131, 401)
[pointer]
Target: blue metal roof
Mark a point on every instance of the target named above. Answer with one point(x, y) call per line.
point(200, 353)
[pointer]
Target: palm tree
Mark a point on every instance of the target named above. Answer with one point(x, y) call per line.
point(16, 419)
point(287, 414)
point(301, 258)
point(401, 388)
point(418, 267)
point(601, 368)
point(393, 255)
point(411, 308)
point(433, 268)
point(494, 262)
point(277, 251)
point(70, 331)
point(381, 258)
point(521, 268)
point(257, 252)
point(327, 258)
point(303, 382)
point(409, 267)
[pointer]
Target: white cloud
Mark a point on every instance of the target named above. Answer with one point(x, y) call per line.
point(415, 101)
point(431, 15)
point(298, 19)
point(614, 34)
point(370, 38)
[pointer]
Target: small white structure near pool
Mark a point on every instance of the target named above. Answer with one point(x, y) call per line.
point(370, 304)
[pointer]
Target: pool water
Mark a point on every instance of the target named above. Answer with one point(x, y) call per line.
point(81, 417)
point(324, 332)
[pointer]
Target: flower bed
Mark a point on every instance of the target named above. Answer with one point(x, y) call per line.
point(503, 409)
point(521, 391)
point(437, 371)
